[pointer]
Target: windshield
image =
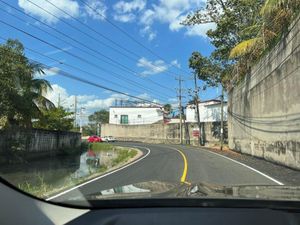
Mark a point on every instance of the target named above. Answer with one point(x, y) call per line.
point(150, 99)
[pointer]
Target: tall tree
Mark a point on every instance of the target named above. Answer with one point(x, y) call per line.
point(22, 95)
point(168, 108)
point(101, 116)
point(231, 17)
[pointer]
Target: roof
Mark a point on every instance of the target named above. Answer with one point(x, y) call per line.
point(210, 100)
point(214, 102)
point(153, 107)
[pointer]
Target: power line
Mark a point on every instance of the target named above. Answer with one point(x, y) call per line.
point(86, 26)
point(69, 53)
point(74, 67)
point(66, 74)
point(128, 70)
point(77, 67)
point(128, 35)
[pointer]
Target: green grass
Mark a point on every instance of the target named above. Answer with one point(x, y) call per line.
point(123, 156)
point(98, 147)
point(39, 189)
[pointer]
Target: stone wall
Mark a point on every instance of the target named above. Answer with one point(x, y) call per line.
point(264, 110)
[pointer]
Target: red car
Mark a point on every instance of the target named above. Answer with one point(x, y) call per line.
point(94, 138)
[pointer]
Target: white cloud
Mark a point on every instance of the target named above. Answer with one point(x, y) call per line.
point(98, 6)
point(70, 6)
point(125, 11)
point(126, 7)
point(172, 13)
point(175, 63)
point(200, 30)
point(90, 103)
point(125, 17)
point(148, 32)
point(47, 72)
point(155, 67)
point(151, 67)
point(58, 51)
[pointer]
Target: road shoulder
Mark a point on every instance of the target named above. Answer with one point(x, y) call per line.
point(281, 173)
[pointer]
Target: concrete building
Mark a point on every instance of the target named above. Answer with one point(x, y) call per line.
point(135, 115)
point(210, 111)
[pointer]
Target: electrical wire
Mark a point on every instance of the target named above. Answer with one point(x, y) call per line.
point(129, 36)
point(69, 53)
point(86, 26)
point(135, 73)
point(73, 77)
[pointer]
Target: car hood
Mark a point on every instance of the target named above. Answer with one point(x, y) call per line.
point(158, 189)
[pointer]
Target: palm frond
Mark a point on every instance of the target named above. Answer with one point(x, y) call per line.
point(251, 29)
point(40, 86)
point(270, 6)
point(244, 47)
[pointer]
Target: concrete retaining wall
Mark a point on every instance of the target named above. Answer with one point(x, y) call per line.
point(264, 111)
point(37, 140)
point(159, 133)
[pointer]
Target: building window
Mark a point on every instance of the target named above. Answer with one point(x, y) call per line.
point(139, 116)
point(124, 119)
point(116, 116)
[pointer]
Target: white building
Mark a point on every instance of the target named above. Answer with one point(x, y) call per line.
point(210, 111)
point(135, 115)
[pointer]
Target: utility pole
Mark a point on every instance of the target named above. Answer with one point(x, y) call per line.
point(58, 104)
point(222, 118)
point(180, 106)
point(197, 108)
point(75, 111)
point(80, 121)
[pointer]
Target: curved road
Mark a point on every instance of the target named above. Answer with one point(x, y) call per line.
point(172, 163)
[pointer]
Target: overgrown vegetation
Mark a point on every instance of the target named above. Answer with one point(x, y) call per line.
point(97, 147)
point(245, 30)
point(124, 155)
point(55, 119)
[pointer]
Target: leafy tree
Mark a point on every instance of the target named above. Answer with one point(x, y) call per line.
point(168, 108)
point(276, 15)
point(231, 18)
point(245, 30)
point(101, 116)
point(55, 119)
point(22, 96)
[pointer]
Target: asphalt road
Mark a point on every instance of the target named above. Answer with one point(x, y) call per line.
point(171, 163)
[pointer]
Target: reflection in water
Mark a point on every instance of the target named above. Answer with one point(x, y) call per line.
point(52, 170)
point(58, 170)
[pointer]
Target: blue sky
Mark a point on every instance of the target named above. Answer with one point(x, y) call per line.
point(154, 24)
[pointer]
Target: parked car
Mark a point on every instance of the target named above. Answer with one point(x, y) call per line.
point(109, 139)
point(94, 138)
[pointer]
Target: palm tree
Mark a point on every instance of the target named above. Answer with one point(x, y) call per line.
point(22, 94)
point(276, 15)
point(34, 95)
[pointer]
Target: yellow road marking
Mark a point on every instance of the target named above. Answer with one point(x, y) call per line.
point(183, 177)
